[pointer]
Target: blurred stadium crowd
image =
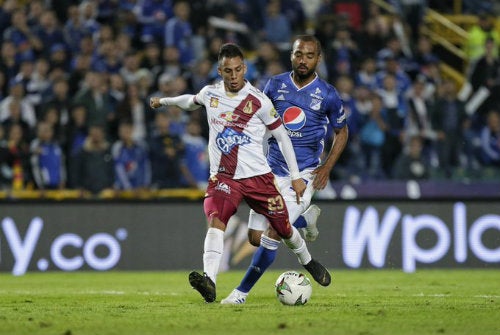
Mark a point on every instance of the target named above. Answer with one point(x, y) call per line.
point(76, 77)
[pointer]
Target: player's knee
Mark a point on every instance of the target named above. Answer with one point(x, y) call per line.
point(287, 234)
point(285, 231)
point(217, 223)
point(254, 237)
point(271, 233)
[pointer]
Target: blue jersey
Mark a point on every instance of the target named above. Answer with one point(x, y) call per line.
point(307, 114)
point(132, 166)
point(178, 33)
point(47, 164)
point(196, 157)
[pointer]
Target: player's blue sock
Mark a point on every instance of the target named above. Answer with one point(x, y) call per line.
point(262, 259)
point(300, 222)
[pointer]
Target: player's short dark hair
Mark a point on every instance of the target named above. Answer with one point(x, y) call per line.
point(230, 50)
point(309, 38)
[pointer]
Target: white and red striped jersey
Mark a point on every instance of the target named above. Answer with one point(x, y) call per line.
point(238, 124)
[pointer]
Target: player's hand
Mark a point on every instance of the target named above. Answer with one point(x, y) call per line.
point(321, 176)
point(154, 102)
point(299, 186)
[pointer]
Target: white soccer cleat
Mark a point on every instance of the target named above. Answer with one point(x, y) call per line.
point(235, 298)
point(311, 215)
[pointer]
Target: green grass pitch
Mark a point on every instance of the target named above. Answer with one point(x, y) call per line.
point(359, 302)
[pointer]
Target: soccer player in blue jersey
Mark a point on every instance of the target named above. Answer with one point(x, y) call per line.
point(309, 108)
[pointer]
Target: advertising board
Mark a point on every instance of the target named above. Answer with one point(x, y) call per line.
point(103, 236)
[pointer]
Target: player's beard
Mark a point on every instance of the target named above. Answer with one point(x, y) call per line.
point(302, 72)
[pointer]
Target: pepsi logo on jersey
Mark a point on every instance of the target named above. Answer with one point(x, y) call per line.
point(294, 118)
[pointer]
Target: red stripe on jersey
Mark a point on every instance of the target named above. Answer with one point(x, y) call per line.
point(275, 124)
point(245, 110)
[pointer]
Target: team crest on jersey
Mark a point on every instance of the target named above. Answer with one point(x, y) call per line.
point(248, 109)
point(294, 118)
point(229, 116)
point(273, 113)
point(315, 104)
point(214, 102)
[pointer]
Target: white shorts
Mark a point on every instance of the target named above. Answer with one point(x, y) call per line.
point(258, 221)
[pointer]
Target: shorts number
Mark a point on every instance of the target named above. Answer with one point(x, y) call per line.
point(275, 204)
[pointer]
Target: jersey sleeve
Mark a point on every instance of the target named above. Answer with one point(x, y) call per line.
point(336, 112)
point(199, 98)
point(268, 87)
point(268, 114)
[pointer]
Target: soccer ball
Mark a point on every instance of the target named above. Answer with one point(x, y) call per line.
point(293, 288)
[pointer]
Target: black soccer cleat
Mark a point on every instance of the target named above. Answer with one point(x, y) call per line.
point(318, 272)
point(203, 284)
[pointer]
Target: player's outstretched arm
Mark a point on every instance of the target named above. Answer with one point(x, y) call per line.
point(285, 145)
point(185, 101)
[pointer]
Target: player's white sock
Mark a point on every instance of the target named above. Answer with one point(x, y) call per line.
point(212, 252)
point(297, 244)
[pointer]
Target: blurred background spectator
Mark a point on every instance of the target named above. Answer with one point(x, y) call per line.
point(490, 140)
point(15, 165)
point(130, 155)
point(93, 168)
point(195, 164)
point(166, 151)
point(373, 137)
point(478, 34)
point(412, 164)
point(47, 159)
point(450, 122)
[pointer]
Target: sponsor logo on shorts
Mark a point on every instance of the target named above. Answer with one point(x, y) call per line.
point(223, 187)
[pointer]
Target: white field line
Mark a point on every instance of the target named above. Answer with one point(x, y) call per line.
point(91, 292)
